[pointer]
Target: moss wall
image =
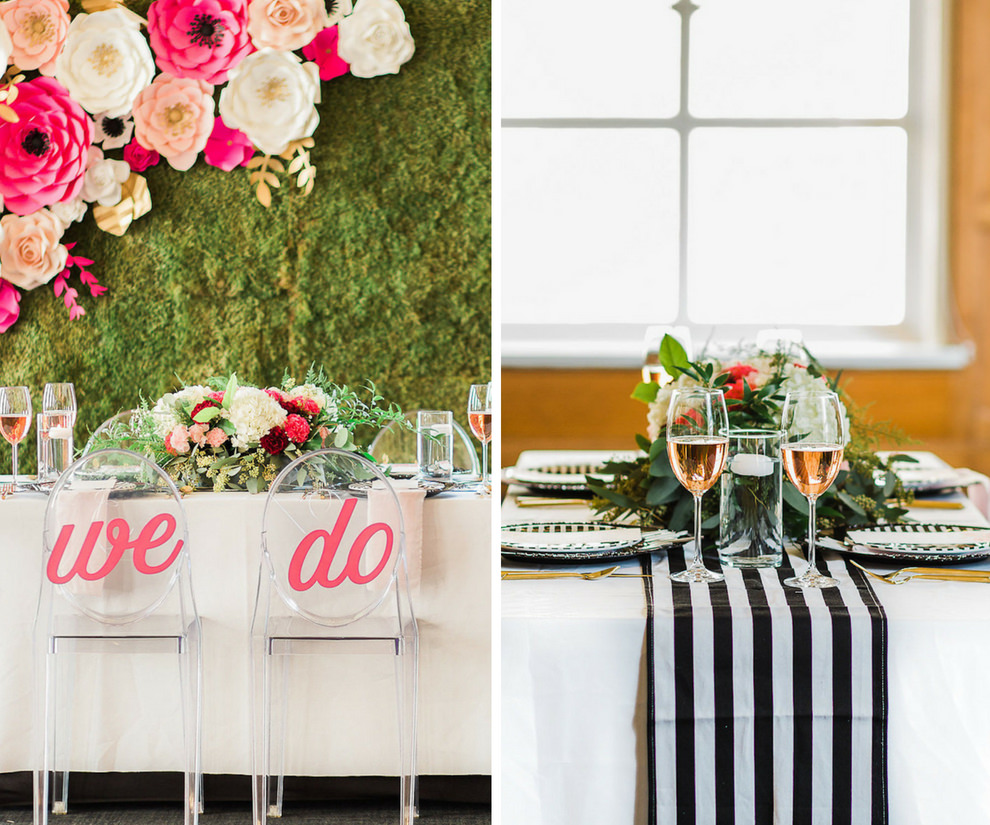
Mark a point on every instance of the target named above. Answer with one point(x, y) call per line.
point(382, 272)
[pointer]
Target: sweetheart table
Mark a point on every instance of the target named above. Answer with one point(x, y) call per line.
point(575, 743)
point(343, 721)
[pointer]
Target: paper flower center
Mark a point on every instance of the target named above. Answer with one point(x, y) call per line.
point(274, 90)
point(37, 27)
point(36, 143)
point(113, 126)
point(206, 30)
point(177, 118)
point(105, 59)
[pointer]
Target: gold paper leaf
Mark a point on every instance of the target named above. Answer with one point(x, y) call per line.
point(8, 114)
point(264, 195)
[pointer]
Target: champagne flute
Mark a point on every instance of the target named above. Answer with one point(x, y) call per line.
point(814, 437)
point(697, 443)
point(480, 419)
point(15, 418)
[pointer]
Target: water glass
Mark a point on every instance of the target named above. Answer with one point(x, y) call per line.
point(435, 444)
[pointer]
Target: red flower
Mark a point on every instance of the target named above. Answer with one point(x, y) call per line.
point(296, 428)
point(275, 441)
point(139, 158)
point(203, 405)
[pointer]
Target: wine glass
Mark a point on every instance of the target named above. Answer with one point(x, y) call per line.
point(15, 418)
point(697, 443)
point(60, 400)
point(480, 418)
point(814, 437)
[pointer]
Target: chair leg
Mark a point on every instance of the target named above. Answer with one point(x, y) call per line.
point(279, 698)
point(407, 667)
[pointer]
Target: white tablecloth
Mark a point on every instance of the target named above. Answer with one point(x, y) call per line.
point(127, 716)
point(574, 692)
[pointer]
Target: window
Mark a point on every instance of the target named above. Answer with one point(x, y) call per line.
point(730, 165)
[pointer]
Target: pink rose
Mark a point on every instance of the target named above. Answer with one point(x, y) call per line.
point(227, 147)
point(286, 25)
point(297, 428)
point(197, 433)
point(9, 309)
point(216, 437)
point(43, 155)
point(37, 30)
point(31, 252)
point(174, 116)
point(323, 51)
point(200, 39)
point(139, 158)
point(178, 440)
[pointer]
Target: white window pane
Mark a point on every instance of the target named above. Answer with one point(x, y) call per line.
point(583, 59)
point(799, 58)
point(589, 225)
point(797, 226)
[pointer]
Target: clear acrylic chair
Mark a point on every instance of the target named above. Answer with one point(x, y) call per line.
point(396, 444)
point(115, 580)
point(332, 580)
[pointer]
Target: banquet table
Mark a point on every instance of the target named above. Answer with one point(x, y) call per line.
point(575, 698)
point(343, 721)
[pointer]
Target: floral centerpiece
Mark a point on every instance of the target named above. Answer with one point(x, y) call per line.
point(92, 100)
point(231, 436)
point(755, 386)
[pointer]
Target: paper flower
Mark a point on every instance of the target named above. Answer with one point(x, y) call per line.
point(31, 252)
point(201, 39)
point(36, 30)
point(174, 116)
point(272, 98)
point(323, 51)
point(10, 309)
point(43, 155)
point(375, 39)
point(106, 61)
point(227, 148)
point(113, 132)
point(287, 25)
point(139, 158)
point(104, 178)
point(70, 211)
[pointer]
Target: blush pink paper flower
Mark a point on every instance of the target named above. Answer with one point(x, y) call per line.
point(43, 155)
point(227, 147)
point(200, 39)
point(139, 158)
point(323, 51)
point(10, 309)
point(37, 31)
point(174, 116)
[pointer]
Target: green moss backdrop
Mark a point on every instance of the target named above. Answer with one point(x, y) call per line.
point(382, 273)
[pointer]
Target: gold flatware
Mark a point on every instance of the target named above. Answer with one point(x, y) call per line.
point(906, 574)
point(535, 501)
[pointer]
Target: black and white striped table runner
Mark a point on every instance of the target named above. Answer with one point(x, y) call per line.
point(769, 703)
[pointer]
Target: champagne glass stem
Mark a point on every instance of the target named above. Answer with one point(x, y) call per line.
point(15, 465)
point(697, 532)
point(812, 570)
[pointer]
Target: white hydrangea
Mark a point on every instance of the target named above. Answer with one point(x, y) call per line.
point(253, 413)
point(314, 393)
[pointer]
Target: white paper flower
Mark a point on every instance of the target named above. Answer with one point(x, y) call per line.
point(272, 98)
point(70, 211)
point(104, 178)
point(6, 47)
point(106, 62)
point(375, 39)
point(113, 132)
point(253, 413)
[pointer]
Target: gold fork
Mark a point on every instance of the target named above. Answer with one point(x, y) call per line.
point(906, 574)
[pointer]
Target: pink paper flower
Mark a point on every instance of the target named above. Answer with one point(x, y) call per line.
point(323, 51)
point(287, 25)
point(174, 116)
point(199, 39)
point(216, 437)
point(139, 158)
point(297, 428)
point(227, 147)
point(31, 250)
point(9, 305)
point(43, 155)
point(37, 31)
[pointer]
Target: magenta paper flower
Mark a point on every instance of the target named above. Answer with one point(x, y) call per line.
point(227, 147)
point(43, 155)
point(200, 39)
point(10, 309)
point(37, 31)
point(139, 158)
point(323, 52)
point(174, 116)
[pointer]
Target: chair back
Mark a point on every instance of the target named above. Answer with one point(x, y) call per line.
point(396, 444)
point(115, 538)
point(332, 537)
